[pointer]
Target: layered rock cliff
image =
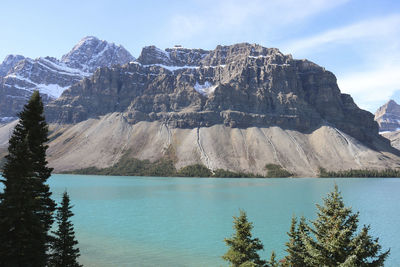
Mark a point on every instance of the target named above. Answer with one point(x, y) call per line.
point(236, 107)
point(242, 85)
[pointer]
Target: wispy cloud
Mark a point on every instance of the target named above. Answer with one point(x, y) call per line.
point(373, 87)
point(368, 29)
point(237, 16)
point(376, 42)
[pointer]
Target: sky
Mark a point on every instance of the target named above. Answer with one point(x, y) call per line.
point(357, 40)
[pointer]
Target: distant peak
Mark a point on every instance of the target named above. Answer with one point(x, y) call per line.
point(91, 52)
point(85, 41)
point(389, 107)
point(9, 62)
point(391, 102)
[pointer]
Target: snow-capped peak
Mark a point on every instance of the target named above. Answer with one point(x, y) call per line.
point(8, 63)
point(90, 53)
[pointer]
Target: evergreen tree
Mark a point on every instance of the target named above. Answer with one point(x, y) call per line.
point(336, 242)
point(242, 247)
point(272, 262)
point(65, 253)
point(25, 205)
point(295, 247)
point(37, 136)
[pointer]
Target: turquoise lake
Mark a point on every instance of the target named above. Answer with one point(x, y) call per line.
point(151, 221)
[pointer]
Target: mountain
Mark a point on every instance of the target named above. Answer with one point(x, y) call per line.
point(9, 62)
point(19, 76)
point(388, 117)
point(236, 107)
point(240, 86)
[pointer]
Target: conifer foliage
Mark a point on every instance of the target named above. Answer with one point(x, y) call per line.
point(242, 246)
point(25, 205)
point(65, 253)
point(295, 247)
point(332, 240)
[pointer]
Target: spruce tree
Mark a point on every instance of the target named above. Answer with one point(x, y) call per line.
point(25, 205)
point(295, 247)
point(242, 246)
point(336, 242)
point(272, 261)
point(64, 250)
point(37, 136)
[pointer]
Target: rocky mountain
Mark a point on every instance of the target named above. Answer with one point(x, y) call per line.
point(236, 107)
point(388, 117)
point(19, 76)
point(242, 86)
point(9, 62)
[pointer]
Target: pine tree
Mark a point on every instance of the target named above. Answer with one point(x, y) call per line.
point(242, 247)
point(336, 242)
point(25, 205)
point(295, 247)
point(272, 262)
point(65, 253)
point(37, 136)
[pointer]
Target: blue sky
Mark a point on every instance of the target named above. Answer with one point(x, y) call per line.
point(358, 40)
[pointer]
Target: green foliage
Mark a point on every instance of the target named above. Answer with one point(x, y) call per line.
point(196, 170)
point(388, 173)
point(221, 173)
point(332, 240)
point(64, 250)
point(25, 205)
point(242, 246)
point(276, 171)
point(295, 247)
point(128, 166)
point(272, 262)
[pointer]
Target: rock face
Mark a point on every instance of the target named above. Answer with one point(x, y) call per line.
point(388, 117)
point(236, 107)
point(240, 86)
point(19, 76)
point(9, 62)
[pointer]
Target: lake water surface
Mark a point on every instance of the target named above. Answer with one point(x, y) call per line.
point(151, 221)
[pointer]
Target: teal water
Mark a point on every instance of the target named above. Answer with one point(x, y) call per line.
point(150, 221)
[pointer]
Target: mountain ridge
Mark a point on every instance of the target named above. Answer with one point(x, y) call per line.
point(19, 76)
point(236, 107)
point(241, 85)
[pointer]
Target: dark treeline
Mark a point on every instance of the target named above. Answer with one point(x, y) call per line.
point(26, 207)
point(330, 240)
point(387, 173)
point(128, 166)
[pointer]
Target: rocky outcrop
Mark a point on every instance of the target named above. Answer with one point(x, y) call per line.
point(19, 76)
point(388, 117)
point(9, 62)
point(240, 86)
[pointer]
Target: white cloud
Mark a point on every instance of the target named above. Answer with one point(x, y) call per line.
point(368, 29)
point(376, 76)
point(373, 87)
point(236, 16)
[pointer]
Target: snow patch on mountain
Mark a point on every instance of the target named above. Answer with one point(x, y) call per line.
point(205, 89)
point(19, 76)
